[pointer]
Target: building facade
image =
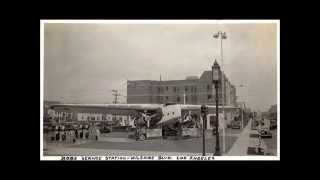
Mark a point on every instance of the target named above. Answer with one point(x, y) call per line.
point(65, 114)
point(192, 90)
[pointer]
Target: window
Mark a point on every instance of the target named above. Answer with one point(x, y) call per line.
point(195, 89)
point(175, 89)
point(178, 99)
point(186, 88)
point(159, 90)
point(208, 87)
point(167, 97)
point(167, 88)
point(209, 96)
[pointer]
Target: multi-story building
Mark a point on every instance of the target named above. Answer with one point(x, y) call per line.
point(192, 90)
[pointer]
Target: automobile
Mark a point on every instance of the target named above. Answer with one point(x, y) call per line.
point(169, 132)
point(265, 133)
point(273, 124)
point(105, 129)
point(236, 124)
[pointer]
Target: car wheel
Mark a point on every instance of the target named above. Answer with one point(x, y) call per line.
point(142, 137)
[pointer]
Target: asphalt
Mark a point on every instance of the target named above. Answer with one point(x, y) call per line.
point(120, 141)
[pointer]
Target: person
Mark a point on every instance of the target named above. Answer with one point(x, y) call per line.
point(76, 133)
point(259, 148)
point(63, 136)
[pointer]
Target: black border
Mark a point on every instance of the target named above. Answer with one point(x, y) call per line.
point(29, 29)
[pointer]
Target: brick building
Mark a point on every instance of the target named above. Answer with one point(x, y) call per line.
point(192, 90)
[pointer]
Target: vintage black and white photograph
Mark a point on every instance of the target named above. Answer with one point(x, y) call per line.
point(160, 89)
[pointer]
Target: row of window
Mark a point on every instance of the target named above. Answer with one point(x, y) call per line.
point(192, 97)
point(99, 117)
point(186, 88)
point(67, 116)
point(177, 89)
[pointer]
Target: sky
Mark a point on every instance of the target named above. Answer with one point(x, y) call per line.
point(84, 62)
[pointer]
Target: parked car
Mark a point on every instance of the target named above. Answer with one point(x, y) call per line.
point(169, 132)
point(236, 124)
point(105, 129)
point(273, 124)
point(265, 133)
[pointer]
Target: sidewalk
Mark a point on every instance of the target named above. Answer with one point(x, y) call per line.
point(112, 152)
point(240, 147)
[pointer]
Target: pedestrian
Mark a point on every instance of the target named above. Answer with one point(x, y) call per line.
point(259, 137)
point(76, 133)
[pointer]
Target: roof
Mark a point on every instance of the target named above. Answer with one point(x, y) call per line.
point(112, 106)
point(136, 106)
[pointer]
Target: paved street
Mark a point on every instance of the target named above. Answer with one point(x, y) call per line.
point(118, 142)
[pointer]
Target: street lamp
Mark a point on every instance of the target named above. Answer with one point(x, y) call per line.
point(222, 35)
point(216, 80)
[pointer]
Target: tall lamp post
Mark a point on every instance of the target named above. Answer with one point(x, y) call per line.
point(216, 80)
point(222, 35)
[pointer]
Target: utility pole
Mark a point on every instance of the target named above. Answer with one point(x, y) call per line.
point(243, 106)
point(115, 94)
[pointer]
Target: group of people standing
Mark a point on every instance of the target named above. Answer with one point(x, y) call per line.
point(69, 135)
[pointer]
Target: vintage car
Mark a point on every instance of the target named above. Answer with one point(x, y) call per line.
point(265, 133)
point(273, 124)
point(236, 124)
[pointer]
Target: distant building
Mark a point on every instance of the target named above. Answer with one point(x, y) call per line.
point(273, 112)
point(192, 90)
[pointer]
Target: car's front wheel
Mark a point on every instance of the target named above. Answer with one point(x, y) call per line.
point(142, 137)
